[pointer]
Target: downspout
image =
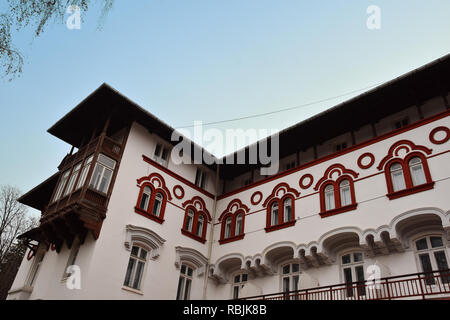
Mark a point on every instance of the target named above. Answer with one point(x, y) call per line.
point(211, 234)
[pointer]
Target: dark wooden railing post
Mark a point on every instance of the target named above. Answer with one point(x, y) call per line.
point(421, 287)
point(387, 288)
point(331, 293)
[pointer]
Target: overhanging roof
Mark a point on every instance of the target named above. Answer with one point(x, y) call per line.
point(39, 196)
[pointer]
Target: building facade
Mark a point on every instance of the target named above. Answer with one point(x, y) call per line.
point(362, 190)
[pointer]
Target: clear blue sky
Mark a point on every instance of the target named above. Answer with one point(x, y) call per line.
point(208, 60)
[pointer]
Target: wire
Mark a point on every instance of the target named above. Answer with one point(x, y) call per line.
point(283, 110)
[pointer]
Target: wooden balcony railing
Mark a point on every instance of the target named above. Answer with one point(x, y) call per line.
point(435, 284)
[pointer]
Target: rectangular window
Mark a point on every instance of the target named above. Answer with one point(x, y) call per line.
point(103, 172)
point(341, 146)
point(401, 123)
point(135, 269)
point(161, 154)
point(184, 283)
point(72, 179)
point(61, 185)
point(84, 172)
point(200, 178)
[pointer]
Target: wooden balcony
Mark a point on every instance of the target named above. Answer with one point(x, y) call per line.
point(425, 285)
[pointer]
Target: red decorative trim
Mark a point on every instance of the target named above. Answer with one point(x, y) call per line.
point(180, 188)
point(197, 205)
point(335, 211)
point(237, 204)
point(252, 198)
point(410, 188)
point(366, 155)
point(232, 239)
point(283, 186)
point(197, 201)
point(436, 130)
point(156, 184)
point(338, 208)
point(339, 153)
point(31, 253)
point(340, 169)
point(305, 176)
point(401, 145)
point(233, 210)
point(193, 236)
point(176, 176)
point(280, 226)
point(149, 215)
point(407, 192)
point(157, 181)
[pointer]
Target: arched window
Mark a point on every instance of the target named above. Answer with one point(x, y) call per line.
point(157, 204)
point(431, 255)
point(151, 202)
point(329, 197)
point(136, 266)
point(195, 223)
point(417, 172)
point(287, 209)
point(145, 198)
point(274, 214)
point(189, 220)
point(238, 228)
point(406, 174)
point(232, 222)
point(344, 189)
point(280, 207)
point(398, 180)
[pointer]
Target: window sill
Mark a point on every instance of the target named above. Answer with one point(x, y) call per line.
point(132, 290)
point(335, 211)
point(235, 238)
point(148, 215)
point(406, 192)
point(193, 236)
point(280, 226)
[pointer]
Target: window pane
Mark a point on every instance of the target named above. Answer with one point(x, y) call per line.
point(145, 198)
point(189, 221)
point(348, 279)
point(157, 150)
point(106, 178)
point(187, 289)
point(238, 228)
point(134, 251)
point(189, 271)
point(180, 288)
point(345, 193)
point(287, 269)
point(274, 214)
point(329, 197)
point(357, 256)
point(286, 284)
point(183, 269)
point(130, 267)
point(107, 162)
point(200, 226)
point(143, 254)
point(235, 292)
point(441, 261)
point(157, 205)
point(346, 259)
point(360, 278)
point(398, 182)
point(237, 278)
point(422, 244)
point(426, 267)
point(228, 227)
point(287, 210)
point(244, 277)
point(295, 267)
point(138, 276)
point(417, 173)
point(436, 242)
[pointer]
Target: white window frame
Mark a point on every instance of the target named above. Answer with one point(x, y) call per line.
point(330, 201)
point(227, 232)
point(291, 275)
point(353, 265)
point(84, 172)
point(236, 286)
point(159, 198)
point(190, 220)
point(274, 213)
point(419, 178)
point(73, 177)
point(183, 280)
point(148, 193)
point(238, 227)
point(201, 178)
point(345, 193)
point(62, 183)
point(96, 181)
point(137, 258)
point(287, 218)
point(396, 173)
point(430, 251)
point(158, 156)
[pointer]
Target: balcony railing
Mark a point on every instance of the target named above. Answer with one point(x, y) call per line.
point(434, 284)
